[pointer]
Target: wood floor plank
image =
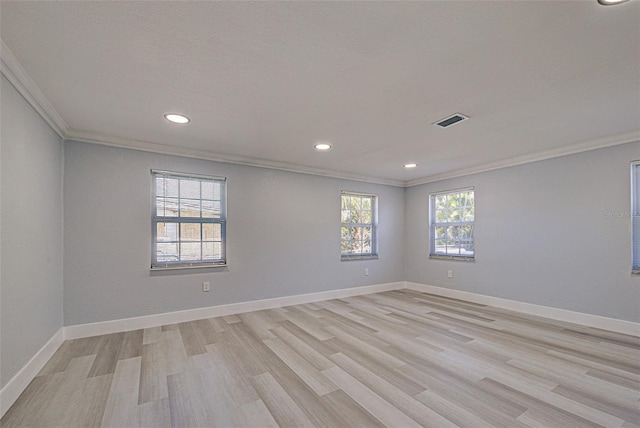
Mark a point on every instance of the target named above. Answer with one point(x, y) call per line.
point(219, 325)
point(305, 370)
point(121, 409)
point(633, 385)
point(489, 409)
point(313, 326)
point(370, 401)
point(154, 414)
point(309, 352)
point(254, 414)
point(455, 413)
point(322, 347)
point(347, 412)
point(90, 404)
point(556, 400)
point(191, 340)
point(221, 367)
point(281, 406)
point(398, 398)
point(555, 416)
point(259, 323)
point(607, 403)
point(68, 350)
point(153, 376)
point(574, 380)
point(205, 333)
point(31, 409)
point(184, 411)
point(381, 355)
point(107, 355)
point(131, 345)
point(152, 335)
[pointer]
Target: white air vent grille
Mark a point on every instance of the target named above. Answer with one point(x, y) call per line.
point(451, 120)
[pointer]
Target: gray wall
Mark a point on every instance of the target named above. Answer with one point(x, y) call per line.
point(31, 230)
point(554, 233)
point(283, 236)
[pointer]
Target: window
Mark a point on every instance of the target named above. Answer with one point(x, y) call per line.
point(635, 217)
point(451, 220)
point(358, 226)
point(189, 220)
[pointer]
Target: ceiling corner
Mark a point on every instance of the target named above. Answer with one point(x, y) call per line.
point(18, 77)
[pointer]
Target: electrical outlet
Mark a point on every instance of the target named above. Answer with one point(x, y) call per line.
point(206, 286)
point(450, 274)
point(366, 271)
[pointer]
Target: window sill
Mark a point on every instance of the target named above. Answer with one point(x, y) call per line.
point(454, 258)
point(203, 266)
point(355, 258)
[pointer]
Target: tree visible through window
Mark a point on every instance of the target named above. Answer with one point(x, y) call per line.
point(452, 217)
point(188, 221)
point(358, 226)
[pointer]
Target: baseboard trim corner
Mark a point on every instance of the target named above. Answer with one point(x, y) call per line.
point(16, 386)
point(587, 320)
point(156, 320)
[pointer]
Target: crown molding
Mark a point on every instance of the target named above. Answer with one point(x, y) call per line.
point(109, 140)
point(18, 77)
point(585, 146)
point(146, 146)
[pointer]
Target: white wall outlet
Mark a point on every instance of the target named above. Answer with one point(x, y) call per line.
point(366, 271)
point(206, 286)
point(450, 274)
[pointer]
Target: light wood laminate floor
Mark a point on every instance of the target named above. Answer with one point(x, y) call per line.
point(398, 359)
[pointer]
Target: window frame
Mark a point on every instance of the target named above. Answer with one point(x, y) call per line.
point(433, 224)
point(155, 219)
point(635, 217)
point(374, 228)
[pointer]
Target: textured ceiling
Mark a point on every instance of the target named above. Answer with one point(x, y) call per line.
point(262, 82)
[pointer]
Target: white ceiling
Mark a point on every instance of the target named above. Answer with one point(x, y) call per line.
point(264, 81)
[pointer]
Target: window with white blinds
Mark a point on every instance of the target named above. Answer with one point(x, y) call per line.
point(635, 216)
point(188, 220)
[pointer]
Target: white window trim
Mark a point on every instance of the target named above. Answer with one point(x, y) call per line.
point(635, 217)
point(433, 225)
point(155, 219)
point(374, 228)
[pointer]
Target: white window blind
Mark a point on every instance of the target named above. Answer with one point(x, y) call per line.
point(188, 220)
point(635, 216)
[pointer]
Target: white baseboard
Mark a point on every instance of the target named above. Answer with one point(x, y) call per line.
point(12, 390)
point(588, 320)
point(128, 324)
point(156, 320)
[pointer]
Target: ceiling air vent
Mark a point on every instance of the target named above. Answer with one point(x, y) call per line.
point(451, 120)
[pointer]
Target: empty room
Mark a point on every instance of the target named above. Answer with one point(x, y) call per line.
point(320, 214)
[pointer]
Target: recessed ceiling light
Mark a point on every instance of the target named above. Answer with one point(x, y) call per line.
point(611, 2)
point(177, 118)
point(410, 165)
point(322, 146)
